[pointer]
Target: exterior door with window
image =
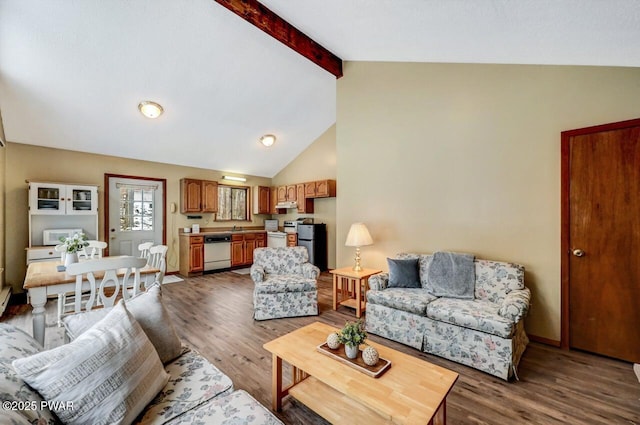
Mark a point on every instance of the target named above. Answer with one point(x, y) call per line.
point(135, 214)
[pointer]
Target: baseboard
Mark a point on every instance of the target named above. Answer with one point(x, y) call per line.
point(5, 296)
point(543, 340)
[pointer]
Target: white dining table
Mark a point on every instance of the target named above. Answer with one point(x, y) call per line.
point(44, 280)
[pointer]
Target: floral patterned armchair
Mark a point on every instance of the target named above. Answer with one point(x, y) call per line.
point(285, 283)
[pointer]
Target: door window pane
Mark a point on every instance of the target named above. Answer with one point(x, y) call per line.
point(136, 209)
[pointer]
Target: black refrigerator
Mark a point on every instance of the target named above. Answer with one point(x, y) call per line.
point(314, 238)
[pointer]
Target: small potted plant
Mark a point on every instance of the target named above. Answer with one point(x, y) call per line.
point(71, 247)
point(352, 335)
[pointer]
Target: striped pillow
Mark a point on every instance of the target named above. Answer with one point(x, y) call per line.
point(105, 376)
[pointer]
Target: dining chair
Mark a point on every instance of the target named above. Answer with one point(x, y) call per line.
point(93, 250)
point(122, 274)
point(158, 260)
point(144, 249)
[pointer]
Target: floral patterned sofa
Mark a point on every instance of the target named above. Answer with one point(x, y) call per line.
point(486, 333)
point(197, 392)
point(285, 283)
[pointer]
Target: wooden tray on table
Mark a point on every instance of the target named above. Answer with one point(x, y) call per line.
point(358, 363)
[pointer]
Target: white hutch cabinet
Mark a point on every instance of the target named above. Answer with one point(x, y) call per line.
point(59, 206)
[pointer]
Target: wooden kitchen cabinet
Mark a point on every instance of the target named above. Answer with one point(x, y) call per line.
point(198, 196)
point(242, 246)
point(292, 239)
point(273, 201)
point(291, 192)
point(287, 193)
point(305, 205)
point(320, 189)
point(281, 194)
point(261, 200)
point(191, 255)
point(209, 196)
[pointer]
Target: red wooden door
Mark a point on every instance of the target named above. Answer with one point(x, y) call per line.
point(601, 239)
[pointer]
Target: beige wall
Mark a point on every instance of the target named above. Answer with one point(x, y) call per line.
point(27, 162)
point(317, 162)
point(467, 158)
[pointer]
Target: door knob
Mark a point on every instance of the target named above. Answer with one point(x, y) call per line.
point(578, 252)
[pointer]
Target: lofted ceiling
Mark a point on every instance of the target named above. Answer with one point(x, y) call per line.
point(72, 72)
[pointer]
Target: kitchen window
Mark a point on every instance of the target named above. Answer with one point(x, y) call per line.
point(232, 203)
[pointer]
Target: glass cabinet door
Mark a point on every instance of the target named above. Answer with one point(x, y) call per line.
point(82, 200)
point(46, 198)
point(52, 198)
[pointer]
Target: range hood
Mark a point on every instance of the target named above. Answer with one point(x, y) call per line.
point(287, 204)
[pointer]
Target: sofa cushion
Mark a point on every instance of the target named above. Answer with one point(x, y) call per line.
point(15, 344)
point(403, 273)
point(412, 300)
point(495, 279)
point(472, 314)
point(233, 409)
point(274, 284)
point(148, 310)
point(109, 373)
point(193, 381)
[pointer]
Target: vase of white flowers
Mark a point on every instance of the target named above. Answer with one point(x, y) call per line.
point(72, 245)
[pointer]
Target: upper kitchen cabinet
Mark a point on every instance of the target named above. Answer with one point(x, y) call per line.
point(198, 196)
point(305, 205)
point(287, 193)
point(62, 199)
point(320, 189)
point(261, 200)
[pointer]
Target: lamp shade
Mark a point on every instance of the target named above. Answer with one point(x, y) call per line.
point(358, 235)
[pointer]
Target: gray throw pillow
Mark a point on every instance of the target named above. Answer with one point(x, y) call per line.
point(149, 311)
point(403, 273)
point(108, 375)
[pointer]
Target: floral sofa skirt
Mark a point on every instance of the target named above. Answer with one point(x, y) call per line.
point(197, 391)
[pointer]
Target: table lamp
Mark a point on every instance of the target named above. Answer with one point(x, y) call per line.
point(358, 236)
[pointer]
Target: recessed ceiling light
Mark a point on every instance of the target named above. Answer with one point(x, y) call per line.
point(268, 140)
point(150, 109)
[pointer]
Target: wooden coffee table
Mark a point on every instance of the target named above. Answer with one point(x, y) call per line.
point(412, 391)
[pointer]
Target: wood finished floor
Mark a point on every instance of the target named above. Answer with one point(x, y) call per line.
point(213, 314)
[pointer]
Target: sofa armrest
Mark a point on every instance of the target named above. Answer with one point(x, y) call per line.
point(516, 304)
point(310, 271)
point(379, 281)
point(257, 273)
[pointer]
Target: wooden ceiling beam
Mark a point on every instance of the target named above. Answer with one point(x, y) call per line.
point(260, 16)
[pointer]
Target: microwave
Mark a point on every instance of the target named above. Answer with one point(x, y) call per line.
point(52, 236)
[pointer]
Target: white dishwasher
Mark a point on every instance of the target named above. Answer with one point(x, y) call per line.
point(217, 252)
point(276, 239)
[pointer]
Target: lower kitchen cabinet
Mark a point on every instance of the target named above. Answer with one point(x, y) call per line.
point(191, 255)
point(242, 246)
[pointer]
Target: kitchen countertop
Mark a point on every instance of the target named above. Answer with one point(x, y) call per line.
point(218, 231)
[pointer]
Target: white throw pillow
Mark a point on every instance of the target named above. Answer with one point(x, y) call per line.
point(149, 311)
point(106, 376)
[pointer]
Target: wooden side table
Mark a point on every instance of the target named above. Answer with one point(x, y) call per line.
point(352, 287)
